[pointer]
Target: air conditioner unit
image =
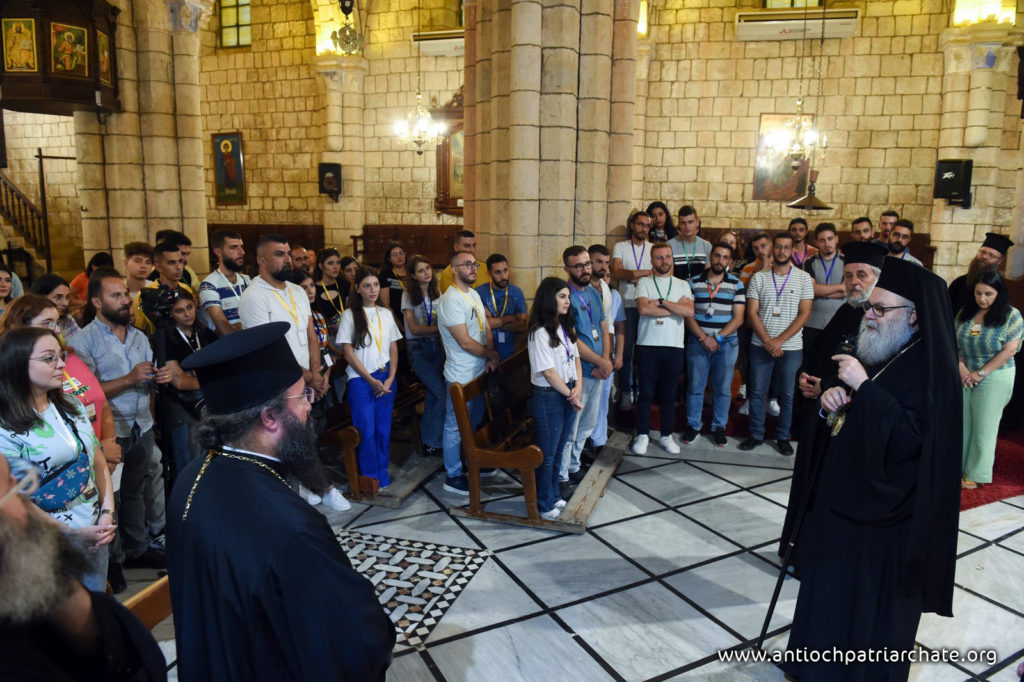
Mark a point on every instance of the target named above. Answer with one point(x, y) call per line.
point(796, 24)
point(440, 43)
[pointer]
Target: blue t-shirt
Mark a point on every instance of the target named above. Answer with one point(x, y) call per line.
point(589, 313)
point(500, 302)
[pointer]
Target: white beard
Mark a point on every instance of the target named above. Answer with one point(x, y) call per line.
point(854, 300)
point(876, 343)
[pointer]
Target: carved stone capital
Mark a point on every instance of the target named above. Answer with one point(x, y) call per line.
point(189, 15)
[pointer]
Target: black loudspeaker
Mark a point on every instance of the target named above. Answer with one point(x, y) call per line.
point(330, 179)
point(953, 181)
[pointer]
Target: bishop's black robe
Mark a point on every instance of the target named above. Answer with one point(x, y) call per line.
point(260, 587)
point(812, 432)
point(959, 294)
point(855, 591)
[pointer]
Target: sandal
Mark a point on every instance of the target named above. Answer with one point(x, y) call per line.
point(969, 485)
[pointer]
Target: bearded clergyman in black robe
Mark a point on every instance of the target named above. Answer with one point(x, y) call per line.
point(991, 255)
point(260, 587)
point(879, 546)
point(863, 263)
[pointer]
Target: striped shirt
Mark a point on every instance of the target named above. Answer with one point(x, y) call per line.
point(217, 291)
point(689, 259)
point(713, 305)
point(782, 296)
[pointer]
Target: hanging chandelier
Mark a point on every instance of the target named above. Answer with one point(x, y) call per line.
point(346, 39)
point(418, 127)
point(807, 143)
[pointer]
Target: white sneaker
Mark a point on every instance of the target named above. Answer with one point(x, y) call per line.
point(742, 393)
point(560, 504)
point(668, 445)
point(773, 407)
point(552, 515)
point(626, 401)
point(639, 446)
point(333, 499)
point(309, 496)
point(745, 407)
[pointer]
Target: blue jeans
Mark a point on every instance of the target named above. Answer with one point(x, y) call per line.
point(582, 426)
point(760, 376)
point(451, 440)
point(632, 328)
point(554, 417)
point(427, 360)
point(720, 364)
point(599, 436)
point(371, 415)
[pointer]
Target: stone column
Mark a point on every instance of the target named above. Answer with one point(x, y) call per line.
point(594, 114)
point(624, 90)
point(469, 114)
point(643, 61)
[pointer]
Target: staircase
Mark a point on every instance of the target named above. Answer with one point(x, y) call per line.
point(27, 226)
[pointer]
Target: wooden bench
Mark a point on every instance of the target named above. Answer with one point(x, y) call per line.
point(431, 241)
point(506, 440)
point(152, 604)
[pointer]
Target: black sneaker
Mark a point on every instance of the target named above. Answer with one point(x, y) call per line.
point(565, 489)
point(115, 576)
point(576, 476)
point(718, 436)
point(689, 435)
point(457, 484)
point(432, 452)
point(487, 471)
point(784, 447)
point(750, 443)
point(151, 558)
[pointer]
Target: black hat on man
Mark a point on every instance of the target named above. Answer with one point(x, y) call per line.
point(999, 242)
point(870, 253)
point(245, 369)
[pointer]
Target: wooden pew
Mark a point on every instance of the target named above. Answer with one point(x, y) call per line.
point(505, 440)
point(151, 605)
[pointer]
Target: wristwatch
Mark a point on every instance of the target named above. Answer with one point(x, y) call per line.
point(718, 338)
point(982, 373)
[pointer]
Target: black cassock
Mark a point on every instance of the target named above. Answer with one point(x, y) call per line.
point(812, 432)
point(960, 294)
point(860, 588)
point(260, 587)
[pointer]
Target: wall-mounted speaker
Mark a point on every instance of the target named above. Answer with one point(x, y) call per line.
point(953, 181)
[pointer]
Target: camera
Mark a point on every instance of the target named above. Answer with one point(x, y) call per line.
point(156, 302)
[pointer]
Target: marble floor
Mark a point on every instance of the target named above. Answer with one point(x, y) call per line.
point(678, 564)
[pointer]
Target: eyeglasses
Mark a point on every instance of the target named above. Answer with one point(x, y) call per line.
point(880, 310)
point(52, 325)
point(27, 475)
point(580, 267)
point(473, 265)
point(51, 359)
point(309, 394)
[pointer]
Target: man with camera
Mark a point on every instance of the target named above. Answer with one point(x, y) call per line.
point(170, 268)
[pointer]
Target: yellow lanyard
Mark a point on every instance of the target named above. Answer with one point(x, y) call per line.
point(293, 312)
point(479, 315)
point(504, 306)
point(331, 300)
point(377, 339)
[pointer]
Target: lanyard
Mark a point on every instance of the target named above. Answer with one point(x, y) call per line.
point(236, 289)
point(778, 291)
point(66, 434)
point(293, 312)
point(668, 293)
point(428, 309)
point(568, 346)
point(504, 305)
point(479, 315)
point(194, 346)
point(586, 305)
point(378, 338)
point(903, 256)
point(318, 324)
point(711, 295)
point(330, 300)
point(828, 274)
point(800, 261)
point(693, 254)
point(639, 260)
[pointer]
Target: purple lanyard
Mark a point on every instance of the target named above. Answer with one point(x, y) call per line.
point(428, 310)
point(828, 275)
point(799, 261)
point(586, 305)
point(568, 346)
point(778, 291)
point(639, 260)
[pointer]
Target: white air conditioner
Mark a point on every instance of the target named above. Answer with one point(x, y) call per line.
point(796, 24)
point(440, 43)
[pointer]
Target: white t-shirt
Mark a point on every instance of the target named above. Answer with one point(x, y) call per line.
point(633, 258)
point(420, 313)
point(261, 303)
point(543, 356)
point(662, 331)
point(606, 305)
point(382, 331)
point(458, 307)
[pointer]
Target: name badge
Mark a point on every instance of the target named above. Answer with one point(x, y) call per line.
point(500, 336)
point(659, 321)
point(594, 334)
point(777, 311)
point(708, 312)
point(90, 411)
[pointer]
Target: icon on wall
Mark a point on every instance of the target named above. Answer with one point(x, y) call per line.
point(103, 58)
point(69, 50)
point(330, 179)
point(228, 169)
point(20, 46)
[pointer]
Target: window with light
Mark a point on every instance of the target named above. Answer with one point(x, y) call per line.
point(235, 23)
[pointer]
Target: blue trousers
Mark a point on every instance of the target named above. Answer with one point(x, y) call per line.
point(700, 363)
point(599, 436)
point(554, 417)
point(426, 357)
point(371, 415)
point(451, 440)
point(785, 368)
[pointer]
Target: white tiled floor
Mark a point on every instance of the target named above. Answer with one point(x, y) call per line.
point(680, 562)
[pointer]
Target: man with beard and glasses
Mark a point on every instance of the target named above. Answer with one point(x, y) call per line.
point(505, 305)
point(260, 587)
point(990, 257)
point(863, 263)
point(220, 292)
point(51, 628)
point(880, 535)
point(121, 358)
point(899, 241)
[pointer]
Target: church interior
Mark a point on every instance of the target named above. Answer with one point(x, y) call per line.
point(556, 121)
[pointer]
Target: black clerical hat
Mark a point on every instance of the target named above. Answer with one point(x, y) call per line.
point(900, 277)
point(865, 252)
point(999, 242)
point(245, 369)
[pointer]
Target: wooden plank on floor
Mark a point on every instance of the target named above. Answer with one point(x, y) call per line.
point(404, 482)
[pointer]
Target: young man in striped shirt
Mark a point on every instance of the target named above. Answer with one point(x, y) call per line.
point(719, 302)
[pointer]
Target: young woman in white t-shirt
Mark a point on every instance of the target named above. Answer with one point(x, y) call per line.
point(555, 373)
point(369, 341)
point(423, 344)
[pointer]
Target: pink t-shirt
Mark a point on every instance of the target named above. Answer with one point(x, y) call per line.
point(83, 384)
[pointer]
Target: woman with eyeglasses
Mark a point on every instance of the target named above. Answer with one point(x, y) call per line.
point(423, 345)
point(369, 341)
point(392, 279)
point(57, 290)
point(39, 422)
point(988, 334)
